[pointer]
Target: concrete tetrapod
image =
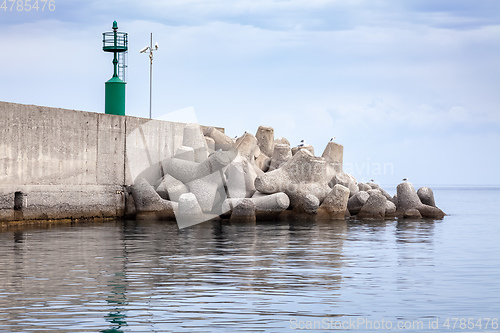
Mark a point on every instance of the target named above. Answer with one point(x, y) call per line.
point(346, 180)
point(247, 146)
point(307, 207)
point(265, 140)
point(281, 140)
point(186, 171)
point(240, 178)
point(189, 211)
point(303, 174)
point(266, 206)
point(171, 188)
point(282, 153)
point(210, 144)
point(426, 196)
point(335, 204)
point(149, 204)
point(356, 202)
point(205, 179)
point(185, 153)
point(306, 147)
point(193, 137)
point(374, 207)
point(407, 198)
point(334, 154)
point(244, 211)
point(364, 187)
point(222, 141)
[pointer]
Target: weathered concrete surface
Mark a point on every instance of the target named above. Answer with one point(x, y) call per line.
point(412, 213)
point(307, 205)
point(171, 188)
point(74, 164)
point(346, 180)
point(426, 196)
point(407, 197)
point(222, 141)
point(282, 140)
point(303, 174)
point(364, 187)
point(335, 204)
point(240, 178)
point(193, 137)
point(49, 202)
point(334, 154)
point(374, 207)
point(282, 153)
point(306, 147)
point(244, 210)
point(266, 206)
point(265, 140)
point(149, 204)
point(356, 202)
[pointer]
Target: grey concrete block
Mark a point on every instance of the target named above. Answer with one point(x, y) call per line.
point(149, 204)
point(426, 196)
point(334, 206)
point(430, 212)
point(282, 154)
point(407, 197)
point(247, 147)
point(374, 208)
point(193, 137)
point(346, 180)
point(244, 210)
point(272, 203)
point(281, 140)
point(390, 208)
point(210, 144)
point(306, 147)
point(189, 212)
point(185, 153)
point(171, 188)
point(412, 213)
point(265, 140)
point(240, 178)
point(222, 141)
point(356, 202)
point(301, 175)
point(263, 162)
point(334, 154)
point(307, 204)
point(364, 187)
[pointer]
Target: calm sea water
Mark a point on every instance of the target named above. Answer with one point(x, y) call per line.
point(127, 276)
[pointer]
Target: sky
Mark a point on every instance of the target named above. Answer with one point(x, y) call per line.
point(409, 88)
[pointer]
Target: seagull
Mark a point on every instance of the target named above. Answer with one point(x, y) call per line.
point(236, 137)
point(302, 143)
point(331, 140)
point(372, 180)
point(405, 179)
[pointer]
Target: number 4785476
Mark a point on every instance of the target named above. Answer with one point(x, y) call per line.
point(28, 5)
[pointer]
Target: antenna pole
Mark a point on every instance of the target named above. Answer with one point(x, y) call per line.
point(151, 76)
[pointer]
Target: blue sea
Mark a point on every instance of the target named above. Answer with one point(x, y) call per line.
point(147, 276)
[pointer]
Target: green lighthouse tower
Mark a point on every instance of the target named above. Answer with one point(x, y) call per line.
point(116, 42)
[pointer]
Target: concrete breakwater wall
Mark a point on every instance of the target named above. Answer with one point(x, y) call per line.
point(67, 164)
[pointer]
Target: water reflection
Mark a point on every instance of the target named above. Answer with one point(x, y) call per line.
point(129, 276)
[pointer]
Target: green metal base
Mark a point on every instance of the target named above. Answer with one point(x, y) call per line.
point(115, 96)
